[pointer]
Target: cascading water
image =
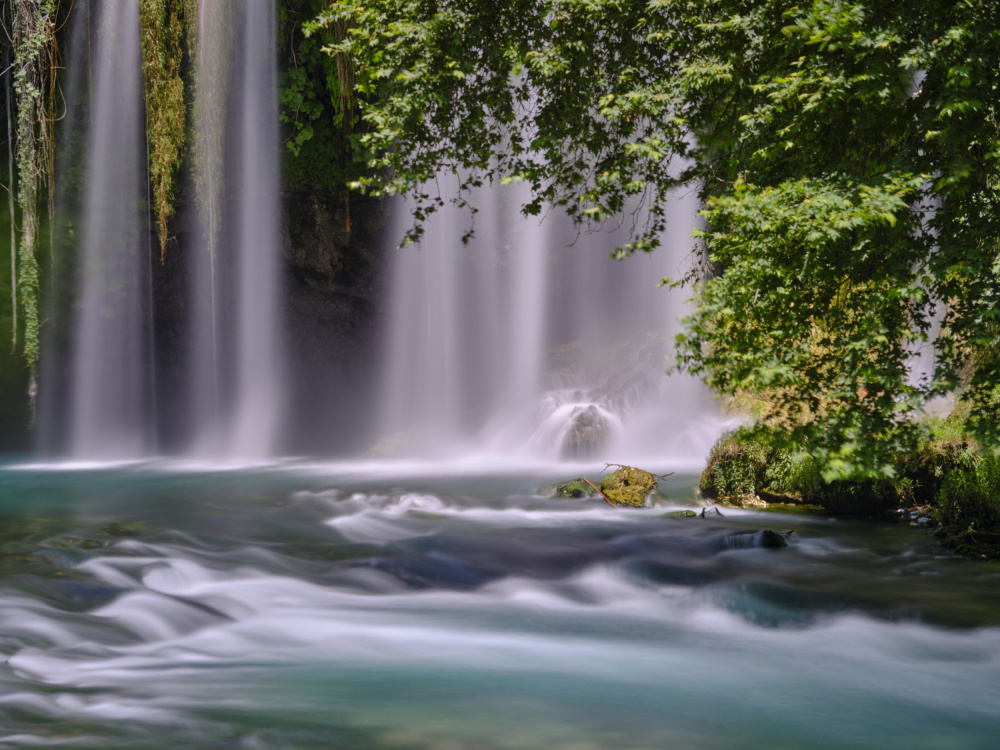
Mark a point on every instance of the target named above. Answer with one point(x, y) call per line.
point(236, 382)
point(530, 341)
point(111, 412)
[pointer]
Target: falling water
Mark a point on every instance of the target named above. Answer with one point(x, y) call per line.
point(236, 379)
point(111, 399)
point(531, 341)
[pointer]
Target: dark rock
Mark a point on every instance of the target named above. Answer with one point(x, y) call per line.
point(764, 539)
point(587, 435)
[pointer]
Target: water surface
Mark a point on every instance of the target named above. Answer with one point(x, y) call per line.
point(406, 606)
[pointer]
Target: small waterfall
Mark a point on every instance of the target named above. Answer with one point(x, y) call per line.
point(530, 341)
point(111, 411)
point(236, 382)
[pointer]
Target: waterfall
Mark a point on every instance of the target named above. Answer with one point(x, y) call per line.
point(531, 342)
point(233, 389)
point(236, 380)
point(111, 399)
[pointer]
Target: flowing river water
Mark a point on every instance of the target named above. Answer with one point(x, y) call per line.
point(298, 605)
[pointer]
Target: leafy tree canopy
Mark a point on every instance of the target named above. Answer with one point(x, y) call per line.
point(846, 152)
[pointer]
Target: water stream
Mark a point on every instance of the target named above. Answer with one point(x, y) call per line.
point(406, 606)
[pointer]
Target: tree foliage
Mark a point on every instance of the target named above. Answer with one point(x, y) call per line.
point(846, 152)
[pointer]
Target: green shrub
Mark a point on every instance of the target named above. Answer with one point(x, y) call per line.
point(969, 497)
point(737, 465)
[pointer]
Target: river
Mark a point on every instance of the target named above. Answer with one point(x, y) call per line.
point(447, 607)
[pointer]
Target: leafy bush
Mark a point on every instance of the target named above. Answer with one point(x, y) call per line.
point(969, 497)
point(737, 466)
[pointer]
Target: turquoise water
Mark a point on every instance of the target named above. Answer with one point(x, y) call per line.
point(302, 605)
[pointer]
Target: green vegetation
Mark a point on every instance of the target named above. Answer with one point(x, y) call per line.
point(33, 25)
point(946, 477)
point(321, 126)
point(163, 36)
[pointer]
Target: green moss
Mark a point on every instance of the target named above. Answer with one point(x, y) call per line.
point(574, 488)
point(163, 36)
point(628, 486)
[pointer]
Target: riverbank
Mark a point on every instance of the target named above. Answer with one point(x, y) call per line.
point(946, 483)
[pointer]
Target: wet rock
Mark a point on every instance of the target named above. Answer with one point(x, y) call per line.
point(628, 486)
point(764, 539)
point(682, 514)
point(768, 539)
point(574, 488)
point(587, 435)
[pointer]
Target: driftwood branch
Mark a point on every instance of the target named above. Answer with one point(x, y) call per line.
point(612, 504)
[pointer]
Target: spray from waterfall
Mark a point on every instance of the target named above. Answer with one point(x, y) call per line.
point(530, 342)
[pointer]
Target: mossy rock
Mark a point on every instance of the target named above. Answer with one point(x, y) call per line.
point(681, 514)
point(573, 489)
point(628, 486)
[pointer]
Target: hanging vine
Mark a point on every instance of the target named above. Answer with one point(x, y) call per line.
point(163, 37)
point(33, 32)
point(10, 195)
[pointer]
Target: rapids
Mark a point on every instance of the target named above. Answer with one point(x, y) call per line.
point(391, 605)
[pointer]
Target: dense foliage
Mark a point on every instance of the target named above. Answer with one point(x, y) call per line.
point(845, 150)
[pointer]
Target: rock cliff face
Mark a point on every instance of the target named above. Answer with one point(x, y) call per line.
point(334, 278)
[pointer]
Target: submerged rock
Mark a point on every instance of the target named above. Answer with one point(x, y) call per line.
point(682, 514)
point(628, 486)
point(764, 539)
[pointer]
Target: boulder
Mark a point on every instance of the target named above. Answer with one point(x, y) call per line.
point(628, 486)
point(587, 434)
point(574, 488)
